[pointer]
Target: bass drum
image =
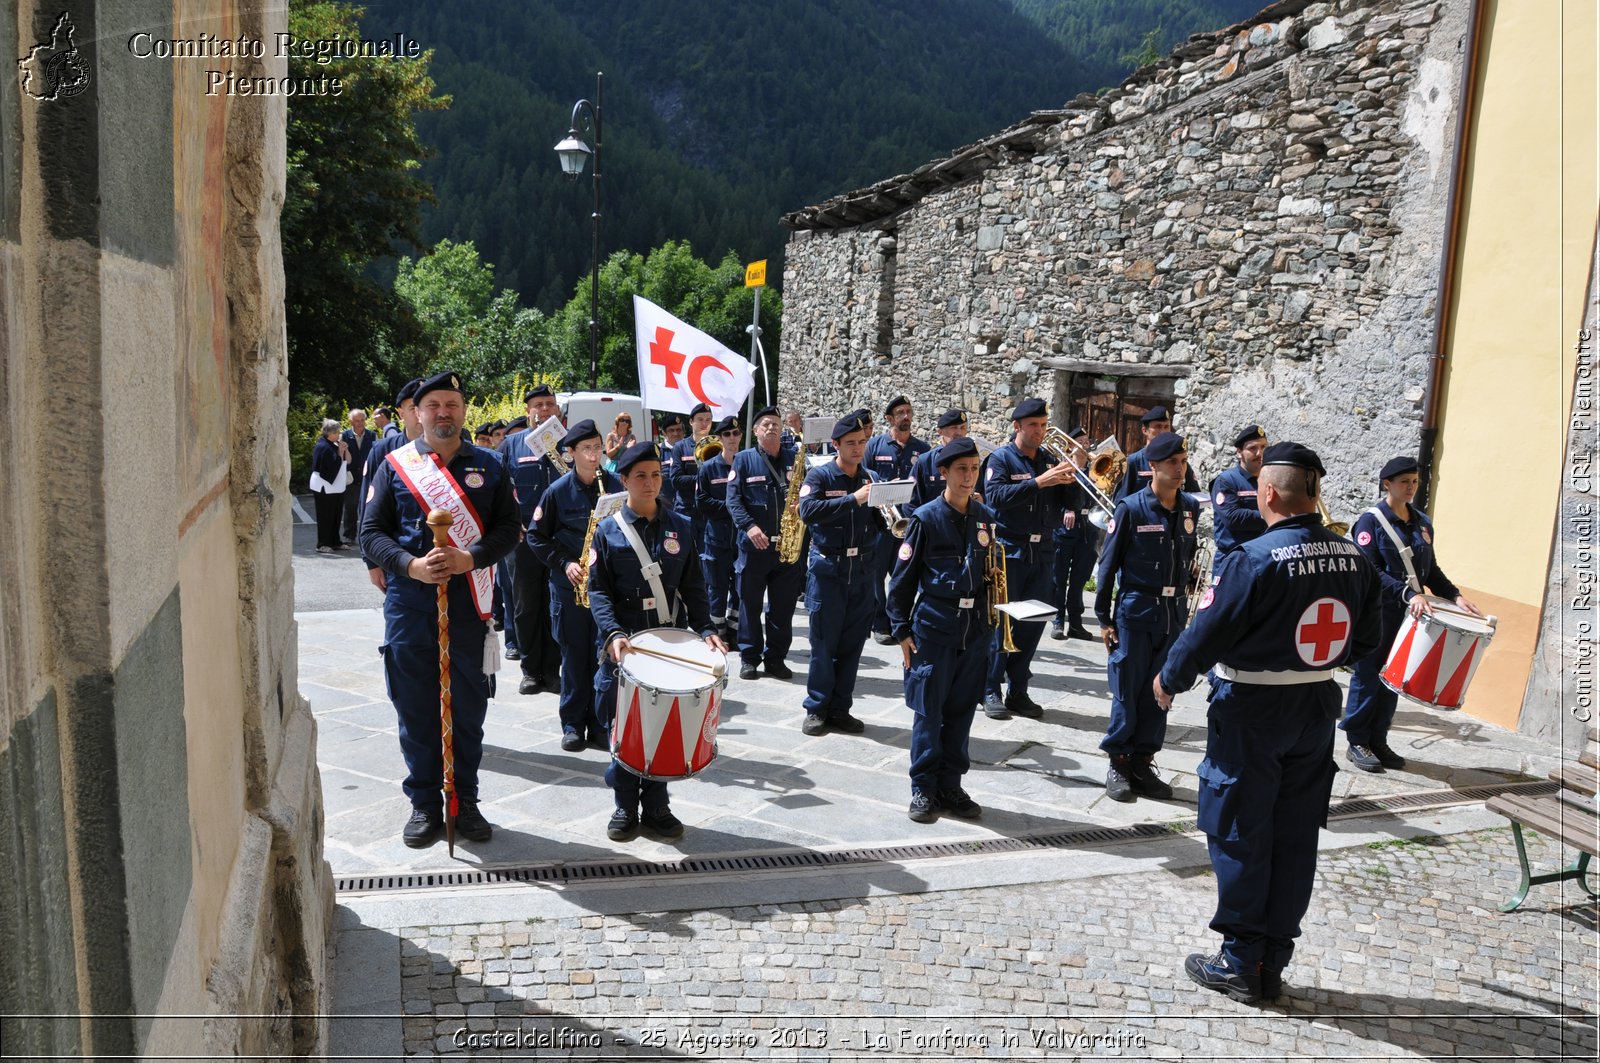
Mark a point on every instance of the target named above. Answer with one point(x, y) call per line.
point(1434, 657)
point(667, 711)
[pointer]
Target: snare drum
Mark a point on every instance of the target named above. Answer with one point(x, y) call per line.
point(1434, 656)
point(667, 712)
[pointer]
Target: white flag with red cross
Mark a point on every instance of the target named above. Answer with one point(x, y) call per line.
point(680, 366)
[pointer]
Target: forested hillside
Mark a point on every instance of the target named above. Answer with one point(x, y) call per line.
point(720, 116)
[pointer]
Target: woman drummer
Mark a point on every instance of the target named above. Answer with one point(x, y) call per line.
point(624, 600)
point(1370, 708)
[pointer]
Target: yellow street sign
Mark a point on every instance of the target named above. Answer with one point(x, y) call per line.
point(755, 274)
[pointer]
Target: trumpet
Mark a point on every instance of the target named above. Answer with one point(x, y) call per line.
point(706, 447)
point(995, 576)
point(896, 520)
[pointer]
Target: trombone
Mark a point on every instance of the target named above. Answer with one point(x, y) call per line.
point(1060, 446)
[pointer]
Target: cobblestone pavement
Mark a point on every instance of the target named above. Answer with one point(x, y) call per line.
point(1400, 958)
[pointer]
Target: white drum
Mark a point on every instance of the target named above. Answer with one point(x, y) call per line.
point(1435, 656)
point(667, 710)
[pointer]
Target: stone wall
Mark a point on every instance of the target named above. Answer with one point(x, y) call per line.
point(161, 867)
point(1254, 225)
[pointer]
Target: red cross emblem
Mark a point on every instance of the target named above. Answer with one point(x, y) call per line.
point(1323, 632)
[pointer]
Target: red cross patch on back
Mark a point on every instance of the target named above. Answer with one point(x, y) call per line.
point(1322, 632)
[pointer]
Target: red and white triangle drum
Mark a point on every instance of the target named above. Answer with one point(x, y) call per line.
point(668, 710)
point(1435, 656)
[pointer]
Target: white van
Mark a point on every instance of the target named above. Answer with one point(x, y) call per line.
point(602, 408)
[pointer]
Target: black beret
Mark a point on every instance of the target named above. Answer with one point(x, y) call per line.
point(863, 413)
point(1397, 467)
point(449, 380)
point(729, 423)
point(895, 403)
point(486, 429)
point(408, 391)
point(668, 420)
point(1297, 454)
point(951, 417)
point(956, 448)
point(1164, 446)
point(847, 424)
point(539, 392)
point(584, 429)
point(516, 423)
point(700, 408)
point(765, 411)
point(635, 454)
point(1248, 434)
point(1155, 413)
point(1077, 433)
point(1029, 408)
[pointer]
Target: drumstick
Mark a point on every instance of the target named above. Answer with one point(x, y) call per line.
point(715, 669)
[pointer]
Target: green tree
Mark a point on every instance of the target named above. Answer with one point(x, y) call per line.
point(354, 192)
point(447, 289)
point(1149, 50)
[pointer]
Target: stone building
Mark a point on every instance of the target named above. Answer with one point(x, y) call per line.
point(162, 887)
point(1263, 227)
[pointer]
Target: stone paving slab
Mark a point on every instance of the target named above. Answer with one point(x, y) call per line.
point(772, 787)
point(1403, 957)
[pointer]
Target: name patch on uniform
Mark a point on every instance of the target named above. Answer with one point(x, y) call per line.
point(1150, 528)
point(759, 479)
point(830, 494)
point(474, 479)
point(1021, 476)
point(884, 457)
point(1248, 494)
point(720, 479)
point(905, 552)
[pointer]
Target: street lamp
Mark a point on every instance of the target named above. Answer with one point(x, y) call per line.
point(574, 154)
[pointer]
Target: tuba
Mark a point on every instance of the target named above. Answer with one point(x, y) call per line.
point(791, 529)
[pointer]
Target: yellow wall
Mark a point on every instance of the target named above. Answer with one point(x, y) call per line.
point(1528, 233)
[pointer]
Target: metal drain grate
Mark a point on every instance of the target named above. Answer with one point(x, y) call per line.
point(786, 859)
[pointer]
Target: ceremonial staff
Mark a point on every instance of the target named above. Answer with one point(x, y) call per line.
point(439, 521)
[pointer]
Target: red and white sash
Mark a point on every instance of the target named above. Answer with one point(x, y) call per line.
point(434, 488)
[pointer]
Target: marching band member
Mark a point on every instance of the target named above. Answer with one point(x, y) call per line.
point(889, 457)
point(648, 579)
point(1022, 487)
point(438, 470)
point(718, 546)
point(673, 432)
point(1276, 625)
point(682, 468)
point(1076, 538)
point(531, 476)
point(757, 492)
point(560, 522)
point(1149, 547)
point(1397, 538)
point(840, 576)
point(1235, 519)
point(938, 606)
point(1155, 422)
point(929, 477)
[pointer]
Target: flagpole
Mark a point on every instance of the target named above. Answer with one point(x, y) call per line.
point(750, 403)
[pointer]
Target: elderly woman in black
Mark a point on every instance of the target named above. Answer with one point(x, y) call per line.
point(329, 479)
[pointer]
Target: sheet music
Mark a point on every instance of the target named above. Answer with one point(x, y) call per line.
point(816, 430)
point(1029, 610)
point(609, 504)
point(546, 439)
point(890, 492)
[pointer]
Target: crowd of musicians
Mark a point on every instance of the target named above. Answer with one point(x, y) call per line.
point(724, 540)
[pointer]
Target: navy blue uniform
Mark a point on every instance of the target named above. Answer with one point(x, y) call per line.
point(1370, 709)
point(681, 468)
point(1235, 518)
point(1147, 554)
point(938, 598)
point(1293, 604)
point(1027, 517)
point(756, 495)
point(380, 450)
point(531, 477)
point(839, 584)
point(1075, 554)
point(623, 603)
point(394, 532)
point(718, 545)
point(1137, 477)
point(888, 459)
point(929, 479)
point(556, 538)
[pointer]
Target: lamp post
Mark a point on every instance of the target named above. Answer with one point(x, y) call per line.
point(574, 154)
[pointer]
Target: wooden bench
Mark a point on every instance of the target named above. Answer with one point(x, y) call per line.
point(1571, 816)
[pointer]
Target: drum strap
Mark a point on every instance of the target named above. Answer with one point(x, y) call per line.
point(650, 569)
point(1405, 551)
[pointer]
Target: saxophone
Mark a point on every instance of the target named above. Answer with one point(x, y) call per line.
point(581, 593)
point(791, 530)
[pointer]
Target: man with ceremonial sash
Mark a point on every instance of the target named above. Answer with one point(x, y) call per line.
point(560, 522)
point(627, 597)
point(531, 476)
point(438, 470)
